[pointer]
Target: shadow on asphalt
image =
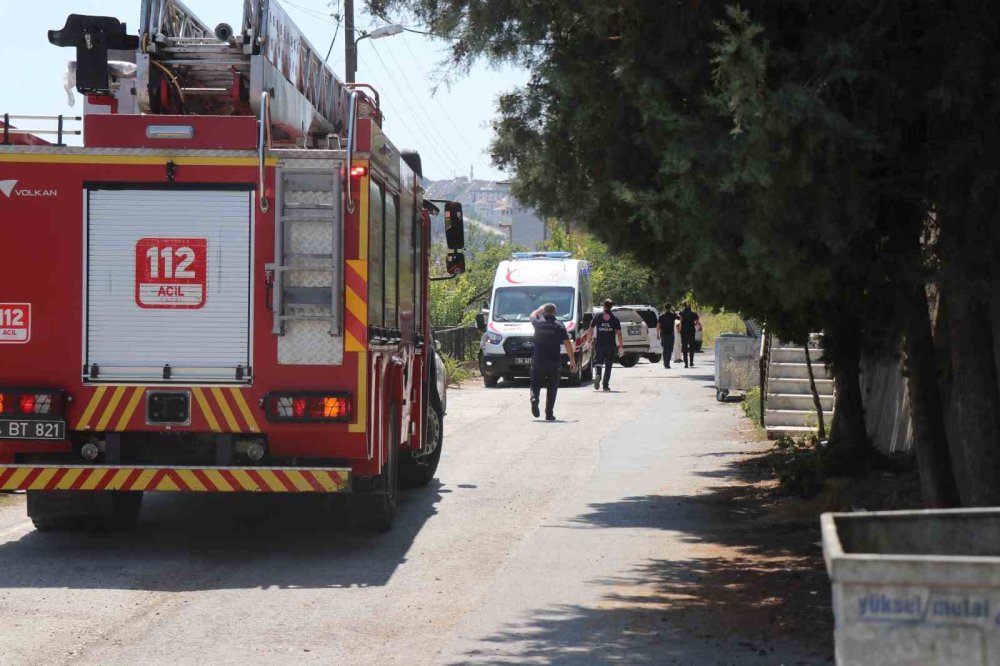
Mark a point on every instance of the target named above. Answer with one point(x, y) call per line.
point(758, 595)
point(192, 542)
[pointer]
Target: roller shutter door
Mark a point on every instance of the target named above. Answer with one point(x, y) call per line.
point(168, 285)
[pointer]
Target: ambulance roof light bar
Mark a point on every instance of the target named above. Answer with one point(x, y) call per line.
point(541, 255)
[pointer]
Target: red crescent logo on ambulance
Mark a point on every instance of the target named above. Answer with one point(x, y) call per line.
point(510, 276)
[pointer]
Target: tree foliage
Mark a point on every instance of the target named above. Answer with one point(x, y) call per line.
point(814, 164)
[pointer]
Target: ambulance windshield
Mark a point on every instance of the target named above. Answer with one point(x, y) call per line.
point(517, 303)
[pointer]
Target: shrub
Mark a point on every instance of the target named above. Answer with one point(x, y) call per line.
point(714, 324)
point(751, 405)
point(455, 370)
point(802, 465)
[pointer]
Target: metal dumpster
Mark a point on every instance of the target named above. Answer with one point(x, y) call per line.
point(915, 588)
point(736, 364)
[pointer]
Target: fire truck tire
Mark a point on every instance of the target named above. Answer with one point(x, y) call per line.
point(375, 511)
point(125, 509)
point(59, 524)
point(418, 472)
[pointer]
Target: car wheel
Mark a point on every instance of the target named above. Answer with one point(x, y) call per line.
point(490, 381)
point(654, 358)
point(629, 360)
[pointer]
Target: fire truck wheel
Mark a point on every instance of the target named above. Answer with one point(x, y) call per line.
point(57, 524)
point(418, 471)
point(376, 511)
point(125, 508)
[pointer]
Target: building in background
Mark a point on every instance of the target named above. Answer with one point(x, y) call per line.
point(491, 204)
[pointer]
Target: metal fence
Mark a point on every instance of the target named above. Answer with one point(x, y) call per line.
point(459, 342)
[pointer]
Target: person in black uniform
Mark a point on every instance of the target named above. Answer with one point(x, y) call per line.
point(688, 319)
point(550, 334)
point(665, 328)
point(606, 329)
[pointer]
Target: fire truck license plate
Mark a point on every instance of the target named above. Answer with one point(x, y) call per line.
point(32, 430)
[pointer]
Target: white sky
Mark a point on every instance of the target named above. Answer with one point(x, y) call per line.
point(451, 130)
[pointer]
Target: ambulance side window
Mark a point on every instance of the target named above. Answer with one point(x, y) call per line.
point(375, 250)
point(391, 261)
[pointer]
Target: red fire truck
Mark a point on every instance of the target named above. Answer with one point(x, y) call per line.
point(224, 289)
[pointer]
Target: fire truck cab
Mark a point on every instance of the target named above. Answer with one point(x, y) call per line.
point(224, 289)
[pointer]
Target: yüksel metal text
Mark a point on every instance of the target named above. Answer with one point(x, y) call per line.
point(224, 289)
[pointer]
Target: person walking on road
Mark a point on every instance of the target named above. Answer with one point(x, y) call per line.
point(550, 334)
point(606, 330)
point(665, 329)
point(688, 319)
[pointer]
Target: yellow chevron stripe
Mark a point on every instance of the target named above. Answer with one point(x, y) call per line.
point(351, 343)
point(95, 400)
point(241, 403)
point(133, 402)
point(355, 305)
point(360, 267)
point(361, 396)
point(92, 480)
point(242, 478)
point(272, 481)
point(326, 480)
point(118, 480)
point(191, 480)
point(143, 480)
point(206, 410)
point(69, 479)
point(226, 411)
point(218, 481)
point(109, 411)
point(166, 484)
point(298, 481)
point(42, 479)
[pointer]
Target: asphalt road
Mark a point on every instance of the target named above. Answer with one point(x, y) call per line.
point(585, 540)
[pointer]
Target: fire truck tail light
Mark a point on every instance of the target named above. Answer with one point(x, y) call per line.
point(22, 402)
point(359, 171)
point(308, 407)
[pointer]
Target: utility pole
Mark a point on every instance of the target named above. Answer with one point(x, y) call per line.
point(350, 48)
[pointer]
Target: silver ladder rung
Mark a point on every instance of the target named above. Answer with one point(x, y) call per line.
point(305, 255)
point(307, 171)
point(316, 206)
point(304, 317)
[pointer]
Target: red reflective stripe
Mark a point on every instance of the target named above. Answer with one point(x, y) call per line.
point(157, 478)
point(131, 479)
point(6, 474)
point(231, 480)
point(82, 479)
point(285, 481)
point(205, 481)
point(259, 480)
point(56, 478)
point(106, 479)
point(308, 476)
point(172, 473)
point(32, 475)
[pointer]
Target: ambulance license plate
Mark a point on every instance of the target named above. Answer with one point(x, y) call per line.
point(522, 361)
point(32, 429)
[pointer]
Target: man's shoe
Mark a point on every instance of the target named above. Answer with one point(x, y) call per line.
point(607, 388)
point(534, 408)
point(597, 381)
point(550, 417)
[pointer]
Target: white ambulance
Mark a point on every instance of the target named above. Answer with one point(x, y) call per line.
point(525, 282)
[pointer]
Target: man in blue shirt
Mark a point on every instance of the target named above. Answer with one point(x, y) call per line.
point(550, 335)
point(606, 330)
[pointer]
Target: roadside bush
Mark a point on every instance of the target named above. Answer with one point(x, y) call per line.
point(714, 324)
point(802, 465)
point(751, 405)
point(455, 370)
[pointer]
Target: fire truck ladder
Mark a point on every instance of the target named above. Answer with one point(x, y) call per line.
point(307, 278)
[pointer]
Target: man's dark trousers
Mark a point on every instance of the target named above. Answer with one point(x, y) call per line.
point(687, 348)
point(668, 349)
point(604, 357)
point(547, 376)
